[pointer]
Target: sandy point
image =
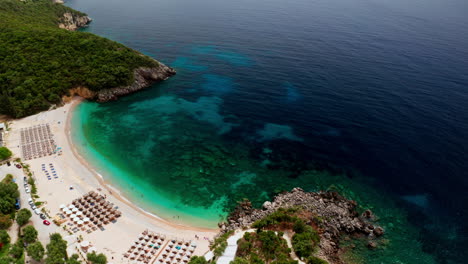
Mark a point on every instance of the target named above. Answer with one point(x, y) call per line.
point(74, 170)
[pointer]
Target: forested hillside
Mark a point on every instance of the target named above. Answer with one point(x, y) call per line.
point(40, 62)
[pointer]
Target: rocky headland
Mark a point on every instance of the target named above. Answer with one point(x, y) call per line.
point(143, 77)
point(333, 216)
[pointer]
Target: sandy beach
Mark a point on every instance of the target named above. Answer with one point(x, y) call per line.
point(73, 170)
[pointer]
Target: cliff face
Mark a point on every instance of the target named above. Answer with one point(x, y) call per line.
point(143, 77)
point(73, 22)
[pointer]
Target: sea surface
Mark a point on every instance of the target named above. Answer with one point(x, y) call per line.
point(366, 97)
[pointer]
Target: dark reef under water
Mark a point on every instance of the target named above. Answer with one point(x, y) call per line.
point(367, 98)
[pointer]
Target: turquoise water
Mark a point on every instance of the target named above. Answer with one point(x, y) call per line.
point(269, 95)
point(151, 198)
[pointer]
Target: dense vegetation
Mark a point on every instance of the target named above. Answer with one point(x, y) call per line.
point(5, 153)
point(8, 194)
point(40, 62)
point(263, 247)
point(268, 244)
point(96, 258)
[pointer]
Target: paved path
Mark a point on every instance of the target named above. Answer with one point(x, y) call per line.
point(230, 252)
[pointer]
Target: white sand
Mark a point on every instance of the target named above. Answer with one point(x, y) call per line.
point(73, 170)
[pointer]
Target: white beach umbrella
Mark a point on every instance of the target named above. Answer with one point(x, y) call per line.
point(84, 244)
point(80, 222)
point(76, 219)
point(68, 212)
point(79, 213)
point(75, 210)
point(71, 206)
point(62, 206)
point(72, 216)
point(86, 219)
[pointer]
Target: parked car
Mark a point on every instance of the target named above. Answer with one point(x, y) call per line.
point(18, 204)
point(25, 179)
point(27, 189)
point(42, 216)
point(18, 166)
point(33, 206)
point(36, 211)
point(46, 222)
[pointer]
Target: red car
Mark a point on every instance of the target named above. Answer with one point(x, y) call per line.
point(46, 222)
point(18, 166)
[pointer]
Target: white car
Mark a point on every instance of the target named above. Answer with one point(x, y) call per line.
point(26, 189)
point(36, 211)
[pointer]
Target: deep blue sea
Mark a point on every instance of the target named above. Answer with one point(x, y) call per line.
point(270, 92)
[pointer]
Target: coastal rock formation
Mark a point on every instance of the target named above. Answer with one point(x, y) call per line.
point(143, 77)
point(72, 22)
point(329, 213)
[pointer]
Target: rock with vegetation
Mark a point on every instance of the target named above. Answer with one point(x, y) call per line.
point(315, 221)
point(42, 64)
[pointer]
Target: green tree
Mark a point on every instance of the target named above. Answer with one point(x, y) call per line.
point(74, 259)
point(56, 250)
point(238, 260)
point(8, 194)
point(36, 251)
point(29, 234)
point(198, 260)
point(96, 258)
point(23, 216)
point(17, 249)
point(7, 260)
point(5, 221)
point(4, 237)
point(5, 153)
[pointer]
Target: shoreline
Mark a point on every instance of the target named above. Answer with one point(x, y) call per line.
point(112, 190)
point(73, 170)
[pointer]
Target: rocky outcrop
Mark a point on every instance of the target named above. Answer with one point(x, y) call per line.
point(331, 214)
point(143, 77)
point(71, 21)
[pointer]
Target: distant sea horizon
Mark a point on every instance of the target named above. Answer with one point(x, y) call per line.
point(367, 98)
